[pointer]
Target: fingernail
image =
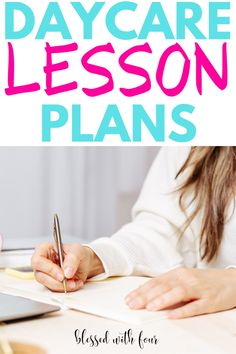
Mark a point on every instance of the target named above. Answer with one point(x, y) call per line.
point(60, 277)
point(68, 272)
point(72, 285)
point(151, 306)
point(127, 299)
point(132, 304)
point(80, 283)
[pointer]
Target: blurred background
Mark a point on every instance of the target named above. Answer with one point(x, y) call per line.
point(91, 188)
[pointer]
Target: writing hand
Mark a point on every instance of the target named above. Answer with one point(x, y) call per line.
point(80, 263)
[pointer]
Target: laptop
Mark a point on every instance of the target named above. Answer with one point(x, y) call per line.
point(16, 308)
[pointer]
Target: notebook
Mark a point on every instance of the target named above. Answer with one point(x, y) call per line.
point(101, 298)
point(106, 299)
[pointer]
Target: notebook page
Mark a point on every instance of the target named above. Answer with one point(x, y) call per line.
point(106, 299)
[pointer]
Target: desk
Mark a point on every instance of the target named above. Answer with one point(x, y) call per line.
point(211, 334)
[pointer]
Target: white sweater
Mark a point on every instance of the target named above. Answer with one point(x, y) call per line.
point(149, 245)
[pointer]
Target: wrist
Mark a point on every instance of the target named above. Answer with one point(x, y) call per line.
point(96, 266)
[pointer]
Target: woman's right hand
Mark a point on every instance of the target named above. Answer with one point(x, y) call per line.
point(80, 263)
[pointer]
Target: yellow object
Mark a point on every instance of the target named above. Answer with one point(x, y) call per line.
point(5, 347)
point(20, 274)
point(22, 348)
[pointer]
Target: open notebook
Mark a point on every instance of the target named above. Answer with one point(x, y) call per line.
point(106, 299)
point(103, 298)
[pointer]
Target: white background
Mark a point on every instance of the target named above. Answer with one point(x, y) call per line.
point(91, 189)
point(21, 118)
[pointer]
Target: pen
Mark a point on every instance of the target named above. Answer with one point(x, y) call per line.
point(59, 246)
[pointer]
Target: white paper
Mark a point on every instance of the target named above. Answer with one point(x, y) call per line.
point(12, 259)
point(106, 299)
point(101, 298)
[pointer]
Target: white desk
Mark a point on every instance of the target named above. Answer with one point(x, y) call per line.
point(212, 334)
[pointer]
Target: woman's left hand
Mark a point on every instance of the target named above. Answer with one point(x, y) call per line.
point(195, 291)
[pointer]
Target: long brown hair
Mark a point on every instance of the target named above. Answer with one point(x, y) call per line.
point(211, 178)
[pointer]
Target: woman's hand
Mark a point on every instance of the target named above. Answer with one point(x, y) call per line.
point(194, 291)
point(80, 263)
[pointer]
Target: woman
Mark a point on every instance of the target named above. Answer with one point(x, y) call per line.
point(183, 235)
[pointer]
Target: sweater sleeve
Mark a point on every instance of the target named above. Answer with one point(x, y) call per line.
point(149, 245)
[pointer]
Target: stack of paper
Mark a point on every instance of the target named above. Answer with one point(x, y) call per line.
point(15, 252)
point(16, 258)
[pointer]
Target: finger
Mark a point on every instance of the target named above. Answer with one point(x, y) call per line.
point(161, 279)
point(169, 298)
point(74, 254)
point(53, 256)
point(54, 285)
point(142, 299)
point(42, 264)
point(142, 289)
point(44, 249)
point(194, 308)
point(81, 275)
